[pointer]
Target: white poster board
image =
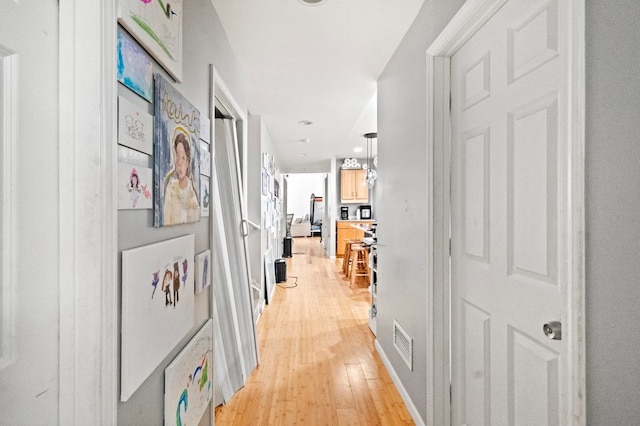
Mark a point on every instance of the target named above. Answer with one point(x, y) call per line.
point(188, 386)
point(157, 26)
point(135, 127)
point(157, 306)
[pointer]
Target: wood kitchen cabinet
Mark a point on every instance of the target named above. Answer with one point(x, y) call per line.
point(353, 186)
point(344, 231)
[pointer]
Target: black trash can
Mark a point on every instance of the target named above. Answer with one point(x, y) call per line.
point(286, 249)
point(281, 271)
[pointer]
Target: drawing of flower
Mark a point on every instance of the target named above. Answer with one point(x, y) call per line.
point(146, 1)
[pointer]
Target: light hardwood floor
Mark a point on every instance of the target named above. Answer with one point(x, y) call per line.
point(318, 364)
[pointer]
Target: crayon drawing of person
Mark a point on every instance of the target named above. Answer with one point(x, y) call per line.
point(167, 280)
point(176, 284)
point(180, 199)
point(134, 187)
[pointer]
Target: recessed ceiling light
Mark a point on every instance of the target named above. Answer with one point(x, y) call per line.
point(305, 122)
point(357, 149)
point(305, 140)
point(312, 2)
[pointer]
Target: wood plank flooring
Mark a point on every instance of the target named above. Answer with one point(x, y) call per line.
point(318, 364)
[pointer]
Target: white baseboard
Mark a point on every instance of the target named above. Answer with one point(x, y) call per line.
point(403, 392)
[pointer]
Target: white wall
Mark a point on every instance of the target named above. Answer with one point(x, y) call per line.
point(300, 186)
point(612, 212)
point(401, 196)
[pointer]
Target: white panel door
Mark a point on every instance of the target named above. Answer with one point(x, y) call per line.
point(509, 203)
point(29, 288)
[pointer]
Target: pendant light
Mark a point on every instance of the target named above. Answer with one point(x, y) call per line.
point(371, 174)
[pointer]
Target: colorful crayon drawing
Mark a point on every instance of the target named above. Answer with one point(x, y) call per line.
point(188, 387)
point(132, 189)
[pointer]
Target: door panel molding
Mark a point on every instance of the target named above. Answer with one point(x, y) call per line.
point(8, 204)
point(472, 16)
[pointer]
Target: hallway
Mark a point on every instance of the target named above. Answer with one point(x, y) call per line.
point(318, 364)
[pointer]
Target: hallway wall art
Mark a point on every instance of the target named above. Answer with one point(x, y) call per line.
point(157, 26)
point(203, 271)
point(188, 387)
point(176, 156)
point(157, 306)
point(134, 67)
point(135, 127)
point(135, 187)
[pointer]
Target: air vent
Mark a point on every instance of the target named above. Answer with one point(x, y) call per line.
point(403, 344)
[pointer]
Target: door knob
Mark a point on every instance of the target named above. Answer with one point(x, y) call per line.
point(553, 330)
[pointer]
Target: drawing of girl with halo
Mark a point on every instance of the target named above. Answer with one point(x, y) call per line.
point(180, 198)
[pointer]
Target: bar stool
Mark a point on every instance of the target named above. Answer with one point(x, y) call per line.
point(359, 263)
point(346, 260)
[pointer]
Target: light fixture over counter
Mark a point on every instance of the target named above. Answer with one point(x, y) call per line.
point(371, 173)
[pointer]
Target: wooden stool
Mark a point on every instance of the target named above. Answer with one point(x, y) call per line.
point(359, 263)
point(346, 260)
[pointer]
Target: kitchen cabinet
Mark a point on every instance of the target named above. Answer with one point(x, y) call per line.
point(353, 186)
point(344, 231)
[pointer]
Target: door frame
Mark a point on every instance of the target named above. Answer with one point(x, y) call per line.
point(88, 319)
point(472, 16)
point(221, 95)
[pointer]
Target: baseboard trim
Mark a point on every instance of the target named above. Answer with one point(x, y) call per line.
point(415, 415)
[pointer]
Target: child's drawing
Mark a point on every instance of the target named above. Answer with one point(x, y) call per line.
point(135, 69)
point(152, 326)
point(157, 25)
point(176, 157)
point(135, 127)
point(187, 380)
point(202, 279)
point(205, 197)
point(134, 183)
point(205, 159)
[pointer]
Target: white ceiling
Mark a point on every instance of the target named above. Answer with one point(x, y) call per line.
point(317, 63)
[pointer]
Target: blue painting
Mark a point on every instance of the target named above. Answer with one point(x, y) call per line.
point(176, 145)
point(135, 69)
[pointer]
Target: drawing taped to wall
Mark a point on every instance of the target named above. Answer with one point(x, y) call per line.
point(157, 26)
point(134, 187)
point(135, 69)
point(202, 280)
point(176, 157)
point(205, 159)
point(205, 129)
point(135, 127)
point(204, 196)
point(188, 386)
point(157, 306)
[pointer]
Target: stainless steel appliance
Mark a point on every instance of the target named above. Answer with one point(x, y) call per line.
point(365, 211)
